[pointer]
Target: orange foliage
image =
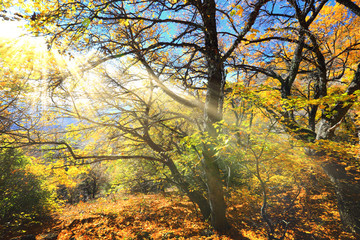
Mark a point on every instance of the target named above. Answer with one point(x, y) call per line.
point(133, 217)
point(162, 217)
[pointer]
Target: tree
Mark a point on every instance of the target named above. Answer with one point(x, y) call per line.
point(290, 46)
point(142, 125)
point(140, 30)
point(23, 197)
point(314, 68)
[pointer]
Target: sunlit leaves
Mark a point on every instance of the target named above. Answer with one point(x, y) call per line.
point(139, 216)
point(237, 11)
point(286, 74)
point(86, 22)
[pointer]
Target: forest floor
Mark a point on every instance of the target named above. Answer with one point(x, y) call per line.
point(159, 216)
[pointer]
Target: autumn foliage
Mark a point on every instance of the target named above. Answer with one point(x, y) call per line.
point(180, 119)
point(174, 217)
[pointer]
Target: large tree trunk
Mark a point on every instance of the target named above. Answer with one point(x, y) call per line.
point(348, 195)
point(346, 186)
point(210, 160)
point(194, 195)
point(213, 114)
point(215, 191)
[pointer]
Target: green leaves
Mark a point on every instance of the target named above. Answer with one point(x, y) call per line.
point(86, 22)
point(22, 196)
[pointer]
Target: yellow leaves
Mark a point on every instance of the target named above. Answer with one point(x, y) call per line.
point(87, 40)
point(251, 36)
point(151, 216)
point(124, 22)
point(74, 171)
point(238, 10)
point(351, 168)
point(36, 4)
point(6, 89)
point(327, 10)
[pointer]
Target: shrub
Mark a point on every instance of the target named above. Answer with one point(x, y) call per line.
point(22, 197)
point(88, 185)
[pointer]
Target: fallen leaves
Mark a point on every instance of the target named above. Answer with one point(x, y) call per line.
point(134, 217)
point(162, 217)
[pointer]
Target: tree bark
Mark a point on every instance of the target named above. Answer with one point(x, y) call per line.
point(350, 5)
point(212, 114)
point(347, 193)
point(194, 195)
point(215, 191)
point(346, 186)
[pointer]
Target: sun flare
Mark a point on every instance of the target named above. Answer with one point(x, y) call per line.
point(11, 29)
point(30, 59)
